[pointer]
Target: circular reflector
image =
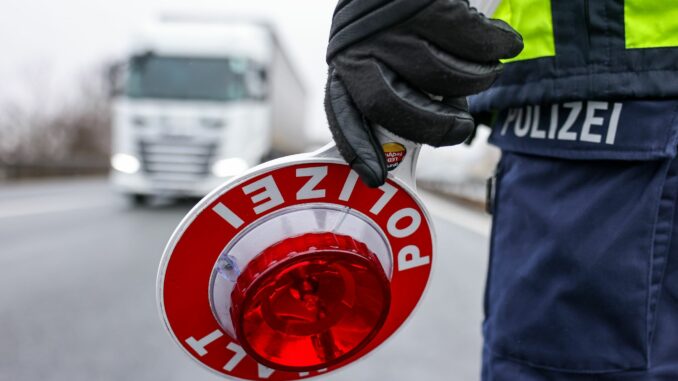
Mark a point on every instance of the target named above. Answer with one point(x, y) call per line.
point(310, 302)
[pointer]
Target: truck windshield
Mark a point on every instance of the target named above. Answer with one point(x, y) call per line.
point(213, 79)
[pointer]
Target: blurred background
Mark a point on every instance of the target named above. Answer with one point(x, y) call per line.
point(116, 116)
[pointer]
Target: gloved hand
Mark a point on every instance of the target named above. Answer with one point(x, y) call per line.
point(408, 66)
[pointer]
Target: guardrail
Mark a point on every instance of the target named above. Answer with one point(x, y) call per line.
point(53, 169)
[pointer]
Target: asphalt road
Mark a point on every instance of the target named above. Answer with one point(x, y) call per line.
point(77, 293)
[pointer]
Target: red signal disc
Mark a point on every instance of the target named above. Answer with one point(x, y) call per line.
point(188, 268)
point(310, 302)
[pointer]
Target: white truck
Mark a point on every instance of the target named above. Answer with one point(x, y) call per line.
point(199, 101)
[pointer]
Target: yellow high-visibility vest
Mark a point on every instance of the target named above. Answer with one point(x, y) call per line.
point(586, 49)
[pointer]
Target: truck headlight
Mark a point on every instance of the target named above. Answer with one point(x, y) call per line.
point(125, 163)
point(229, 167)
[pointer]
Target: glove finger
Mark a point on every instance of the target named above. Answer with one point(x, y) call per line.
point(389, 101)
point(464, 32)
point(430, 68)
point(355, 20)
point(353, 135)
point(460, 133)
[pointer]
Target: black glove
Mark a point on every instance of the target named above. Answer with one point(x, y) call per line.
point(408, 66)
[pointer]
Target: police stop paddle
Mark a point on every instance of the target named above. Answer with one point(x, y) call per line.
point(297, 268)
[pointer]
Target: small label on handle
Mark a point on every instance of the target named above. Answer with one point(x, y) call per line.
point(394, 153)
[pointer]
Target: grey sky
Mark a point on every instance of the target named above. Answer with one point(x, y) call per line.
point(46, 43)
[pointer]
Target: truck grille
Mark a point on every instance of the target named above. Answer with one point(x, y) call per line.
point(176, 161)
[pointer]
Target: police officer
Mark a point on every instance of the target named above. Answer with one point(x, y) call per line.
point(583, 275)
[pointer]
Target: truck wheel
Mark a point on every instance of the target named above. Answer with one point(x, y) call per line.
point(270, 155)
point(137, 199)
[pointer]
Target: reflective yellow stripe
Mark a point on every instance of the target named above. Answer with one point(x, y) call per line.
point(532, 18)
point(651, 23)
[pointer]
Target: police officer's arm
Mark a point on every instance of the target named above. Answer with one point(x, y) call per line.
point(408, 65)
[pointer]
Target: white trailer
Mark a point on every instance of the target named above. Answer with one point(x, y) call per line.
point(200, 101)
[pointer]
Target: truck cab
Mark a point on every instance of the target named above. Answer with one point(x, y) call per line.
point(199, 103)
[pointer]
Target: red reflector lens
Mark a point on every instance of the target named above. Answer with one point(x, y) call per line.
point(310, 302)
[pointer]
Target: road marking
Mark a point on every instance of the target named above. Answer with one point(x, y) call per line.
point(477, 222)
point(34, 208)
point(440, 207)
